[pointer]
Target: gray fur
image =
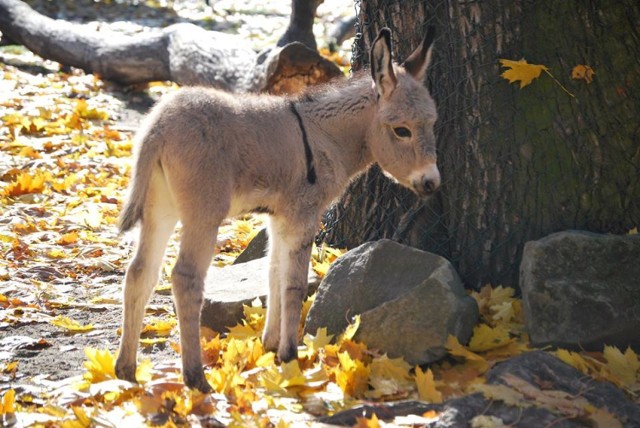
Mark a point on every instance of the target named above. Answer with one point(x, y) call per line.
point(203, 155)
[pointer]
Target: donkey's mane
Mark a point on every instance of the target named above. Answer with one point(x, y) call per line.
point(337, 98)
point(335, 87)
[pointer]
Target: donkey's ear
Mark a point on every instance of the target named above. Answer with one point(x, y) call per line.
point(381, 68)
point(419, 60)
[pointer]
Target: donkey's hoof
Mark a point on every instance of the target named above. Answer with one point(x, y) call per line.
point(270, 343)
point(288, 353)
point(127, 373)
point(196, 380)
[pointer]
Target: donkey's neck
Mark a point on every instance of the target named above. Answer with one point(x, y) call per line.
point(342, 116)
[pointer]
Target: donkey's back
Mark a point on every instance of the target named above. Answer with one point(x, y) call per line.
point(231, 148)
point(203, 155)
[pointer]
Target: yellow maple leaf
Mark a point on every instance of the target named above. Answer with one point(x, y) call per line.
point(574, 359)
point(7, 403)
point(458, 350)
point(70, 324)
point(100, 365)
point(521, 71)
point(624, 366)
point(144, 371)
point(291, 374)
point(29, 152)
point(388, 376)
point(26, 183)
point(283, 424)
point(321, 268)
point(82, 419)
point(151, 341)
point(352, 376)
point(392, 368)
point(323, 257)
point(242, 331)
point(159, 327)
point(315, 343)
point(350, 331)
point(583, 72)
point(211, 350)
point(363, 422)
point(475, 361)
point(68, 238)
point(427, 386)
point(84, 111)
point(485, 338)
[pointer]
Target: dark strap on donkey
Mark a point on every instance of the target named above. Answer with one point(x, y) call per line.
point(311, 172)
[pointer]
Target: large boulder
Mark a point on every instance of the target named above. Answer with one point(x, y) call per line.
point(409, 300)
point(582, 289)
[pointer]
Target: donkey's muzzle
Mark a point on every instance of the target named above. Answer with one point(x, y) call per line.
point(428, 183)
point(426, 188)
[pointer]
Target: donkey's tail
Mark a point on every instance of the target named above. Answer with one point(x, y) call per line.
point(147, 156)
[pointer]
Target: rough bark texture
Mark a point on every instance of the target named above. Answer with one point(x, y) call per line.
point(517, 164)
point(183, 53)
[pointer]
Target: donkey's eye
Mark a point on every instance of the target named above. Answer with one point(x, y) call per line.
point(402, 132)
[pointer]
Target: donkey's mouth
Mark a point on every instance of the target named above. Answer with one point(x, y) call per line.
point(426, 187)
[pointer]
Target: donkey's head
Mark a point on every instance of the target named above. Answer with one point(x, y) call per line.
point(402, 140)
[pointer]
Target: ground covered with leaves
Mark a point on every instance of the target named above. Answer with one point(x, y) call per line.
point(65, 157)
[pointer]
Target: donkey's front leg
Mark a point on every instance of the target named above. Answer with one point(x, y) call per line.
point(293, 291)
point(271, 335)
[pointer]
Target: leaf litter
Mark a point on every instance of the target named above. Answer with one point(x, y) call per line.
point(64, 161)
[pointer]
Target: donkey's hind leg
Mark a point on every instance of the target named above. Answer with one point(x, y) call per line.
point(142, 275)
point(196, 250)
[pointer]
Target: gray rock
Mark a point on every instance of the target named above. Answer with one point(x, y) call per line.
point(256, 249)
point(226, 289)
point(409, 301)
point(581, 289)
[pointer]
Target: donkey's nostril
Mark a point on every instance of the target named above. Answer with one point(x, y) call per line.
point(430, 186)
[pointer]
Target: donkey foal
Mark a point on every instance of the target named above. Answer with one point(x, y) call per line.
point(204, 155)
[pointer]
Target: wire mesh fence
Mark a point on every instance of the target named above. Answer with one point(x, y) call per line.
point(517, 162)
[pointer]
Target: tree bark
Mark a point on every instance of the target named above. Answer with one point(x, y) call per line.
point(517, 164)
point(183, 53)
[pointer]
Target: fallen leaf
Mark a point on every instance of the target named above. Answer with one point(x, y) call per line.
point(26, 183)
point(457, 350)
point(371, 422)
point(68, 238)
point(100, 365)
point(352, 376)
point(624, 366)
point(7, 404)
point(426, 386)
point(71, 325)
point(486, 338)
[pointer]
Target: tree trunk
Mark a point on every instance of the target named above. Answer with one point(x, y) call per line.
point(183, 53)
point(517, 164)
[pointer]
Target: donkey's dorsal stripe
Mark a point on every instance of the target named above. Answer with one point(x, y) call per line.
point(311, 172)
